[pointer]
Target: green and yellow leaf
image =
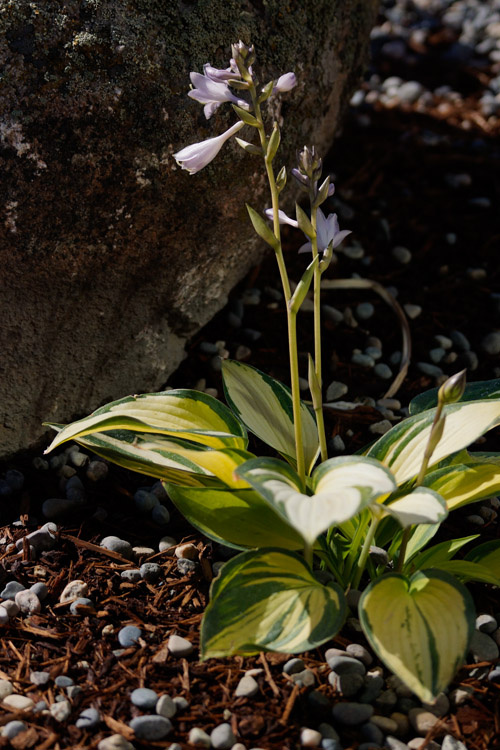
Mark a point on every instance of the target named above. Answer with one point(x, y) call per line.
point(342, 487)
point(469, 571)
point(265, 406)
point(480, 391)
point(240, 518)
point(402, 448)
point(419, 506)
point(439, 553)
point(268, 600)
point(420, 627)
point(488, 555)
point(464, 483)
point(182, 413)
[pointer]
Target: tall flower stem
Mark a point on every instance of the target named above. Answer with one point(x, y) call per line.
point(318, 407)
point(365, 552)
point(291, 316)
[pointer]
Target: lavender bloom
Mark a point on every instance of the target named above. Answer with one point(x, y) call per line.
point(283, 218)
point(285, 82)
point(212, 93)
point(215, 74)
point(327, 230)
point(198, 155)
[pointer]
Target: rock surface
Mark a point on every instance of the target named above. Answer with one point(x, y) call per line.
point(106, 267)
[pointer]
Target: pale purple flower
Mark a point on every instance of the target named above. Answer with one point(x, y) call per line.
point(283, 218)
point(216, 74)
point(327, 231)
point(286, 82)
point(198, 155)
point(212, 93)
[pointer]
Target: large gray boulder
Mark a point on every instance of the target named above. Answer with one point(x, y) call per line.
point(110, 256)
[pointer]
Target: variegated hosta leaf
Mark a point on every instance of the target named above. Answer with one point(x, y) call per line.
point(187, 414)
point(465, 483)
point(237, 518)
point(268, 600)
point(402, 448)
point(264, 405)
point(342, 488)
point(154, 456)
point(419, 506)
point(488, 555)
point(480, 391)
point(420, 627)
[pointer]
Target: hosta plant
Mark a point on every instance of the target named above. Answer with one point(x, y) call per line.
point(304, 523)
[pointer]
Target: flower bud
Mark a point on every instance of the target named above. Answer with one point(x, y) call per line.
point(453, 389)
point(310, 163)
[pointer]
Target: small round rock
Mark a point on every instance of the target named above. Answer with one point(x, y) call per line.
point(115, 544)
point(486, 623)
point(61, 710)
point(63, 681)
point(11, 589)
point(150, 572)
point(352, 714)
point(151, 727)
point(115, 742)
point(310, 737)
point(294, 665)
point(166, 707)
point(73, 590)
point(132, 576)
point(129, 635)
point(39, 678)
point(144, 698)
point(13, 728)
point(88, 719)
point(5, 689)
point(222, 737)
point(246, 688)
point(19, 702)
point(358, 651)
point(198, 737)
point(179, 646)
point(81, 606)
point(166, 542)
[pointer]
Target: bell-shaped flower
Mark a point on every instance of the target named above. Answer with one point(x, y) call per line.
point(216, 74)
point(327, 231)
point(283, 218)
point(212, 93)
point(198, 155)
point(286, 82)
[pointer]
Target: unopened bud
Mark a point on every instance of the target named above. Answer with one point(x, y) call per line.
point(453, 389)
point(310, 163)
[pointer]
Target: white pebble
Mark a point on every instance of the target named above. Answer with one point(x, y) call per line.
point(413, 311)
point(310, 737)
point(186, 552)
point(21, 702)
point(74, 590)
point(166, 542)
point(61, 710)
point(28, 602)
point(336, 390)
point(380, 428)
point(247, 687)
point(5, 689)
point(179, 646)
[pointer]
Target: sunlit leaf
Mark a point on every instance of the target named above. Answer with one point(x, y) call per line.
point(265, 406)
point(420, 627)
point(268, 600)
point(480, 391)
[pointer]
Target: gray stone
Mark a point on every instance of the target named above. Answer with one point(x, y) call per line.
point(347, 684)
point(4, 615)
point(460, 340)
point(88, 719)
point(180, 703)
point(39, 678)
point(394, 744)
point(198, 737)
point(428, 369)
point(129, 635)
point(40, 589)
point(330, 744)
point(364, 360)
point(115, 544)
point(358, 651)
point(409, 91)
point(97, 471)
point(145, 501)
point(11, 589)
point(132, 576)
point(150, 572)
point(336, 390)
point(483, 647)
point(166, 707)
point(494, 675)
point(382, 371)
point(117, 197)
point(179, 646)
point(41, 540)
point(373, 687)
point(222, 737)
point(74, 693)
point(6, 689)
point(365, 310)
point(305, 678)
point(61, 711)
point(185, 567)
point(58, 507)
point(372, 733)
point(63, 681)
point(151, 727)
point(401, 254)
point(144, 698)
point(160, 515)
point(352, 714)
point(115, 742)
point(386, 701)
point(491, 343)
point(81, 606)
point(166, 543)
point(28, 602)
point(346, 665)
point(294, 665)
point(246, 687)
point(310, 737)
point(328, 732)
point(13, 728)
point(440, 706)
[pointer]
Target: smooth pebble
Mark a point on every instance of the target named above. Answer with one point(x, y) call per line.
point(198, 737)
point(222, 737)
point(151, 727)
point(73, 590)
point(11, 589)
point(20, 702)
point(115, 544)
point(179, 646)
point(352, 714)
point(115, 742)
point(144, 698)
point(483, 647)
point(88, 719)
point(61, 710)
point(13, 728)
point(81, 606)
point(166, 707)
point(150, 572)
point(129, 635)
point(246, 688)
point(310, 737)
